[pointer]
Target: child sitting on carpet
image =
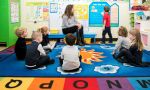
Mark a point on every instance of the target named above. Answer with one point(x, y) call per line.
point(133, 55)
point(36, 57)
point(20, 46)
point(123, 41)
point(70, 56)
point(45, 42)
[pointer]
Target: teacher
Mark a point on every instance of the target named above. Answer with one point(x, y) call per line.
point(71, 25)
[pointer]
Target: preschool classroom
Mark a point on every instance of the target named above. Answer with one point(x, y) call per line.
point(92, 44)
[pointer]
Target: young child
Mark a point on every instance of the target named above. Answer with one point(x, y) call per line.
point(45, 42)
point(123, 42)
point(133, 55)
point(20, 46)
point(36, 57)
point(106, 27)
point(70, 55)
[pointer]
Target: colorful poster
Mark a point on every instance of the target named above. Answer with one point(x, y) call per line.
point(143, 5)
point(53, 7)
point(37, 11)
point(114, 15)
point(14, 7)
point(81, 11)
point(95, 13)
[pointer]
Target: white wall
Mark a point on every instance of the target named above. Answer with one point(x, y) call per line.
point(31, 26)
point(124, 19)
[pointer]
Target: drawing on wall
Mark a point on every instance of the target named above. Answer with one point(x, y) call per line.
point(14, 8)
point(81, 11)
point(53, 7)
point(37, 11)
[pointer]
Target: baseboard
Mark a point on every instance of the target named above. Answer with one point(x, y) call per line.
point(3, 44)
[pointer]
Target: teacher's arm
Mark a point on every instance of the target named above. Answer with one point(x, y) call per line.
point(66, 23)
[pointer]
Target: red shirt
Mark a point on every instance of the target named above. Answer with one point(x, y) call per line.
point(107, 19)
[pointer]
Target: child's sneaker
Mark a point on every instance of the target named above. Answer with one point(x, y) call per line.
point(40, 68)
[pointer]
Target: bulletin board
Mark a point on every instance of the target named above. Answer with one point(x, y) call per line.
point(14, 8)
point(114, 10)
point(96, 10)
point(95, 13)
point(37, 11)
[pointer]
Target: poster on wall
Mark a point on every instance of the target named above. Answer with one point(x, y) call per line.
point(53, 7)
point(81, 11)
point(95, 13)
point(37, 11)
point(143, 5)
point(114, 10)
point(14, 8)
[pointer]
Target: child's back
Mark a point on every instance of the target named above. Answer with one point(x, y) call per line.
point(36, 57)
point(33, 54)
point(20, 46)
point(70, 54)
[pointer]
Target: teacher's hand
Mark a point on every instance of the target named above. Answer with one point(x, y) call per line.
point(79, 26)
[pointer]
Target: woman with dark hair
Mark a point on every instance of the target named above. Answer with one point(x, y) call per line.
point(71, 25)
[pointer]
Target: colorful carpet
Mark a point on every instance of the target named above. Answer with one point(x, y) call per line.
point(105, 83)
point(4, 54)
point(97, 61)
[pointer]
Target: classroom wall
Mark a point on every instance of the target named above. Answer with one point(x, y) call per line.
point(6, 27)
point(123, 18)
point(30, 25)
point(4, 20)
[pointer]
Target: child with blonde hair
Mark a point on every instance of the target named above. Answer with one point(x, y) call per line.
point(20, 46)
point(45, 42)
point(123, 41)
point(36, 57)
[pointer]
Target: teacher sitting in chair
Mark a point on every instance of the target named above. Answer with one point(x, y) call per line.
point(71, 25)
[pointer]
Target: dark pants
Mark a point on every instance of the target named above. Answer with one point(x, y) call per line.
point(107, 30)
point(44, 60)
point(125, 56)
point(20, 56)
point(74, 70)
point(74, 29)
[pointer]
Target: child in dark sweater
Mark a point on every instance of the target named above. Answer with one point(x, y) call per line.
point(20, 46)
point(36, 57)
point(45, 42)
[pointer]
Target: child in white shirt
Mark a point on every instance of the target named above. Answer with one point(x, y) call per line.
point(70, 55)
point(122, 42)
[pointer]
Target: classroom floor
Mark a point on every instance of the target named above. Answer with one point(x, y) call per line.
point(97, 62)
point(2, 48)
